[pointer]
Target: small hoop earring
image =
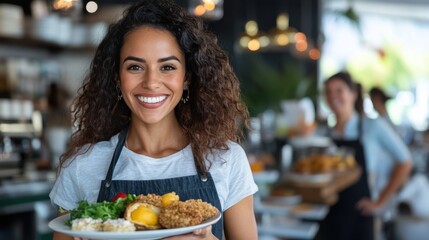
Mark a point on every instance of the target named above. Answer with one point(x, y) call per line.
point(185, 99)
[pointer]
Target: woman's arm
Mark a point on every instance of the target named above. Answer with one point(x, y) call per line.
point(391, 143)
point(397, 148)
point(239, 221)
point(400, 174)
point(398, 177)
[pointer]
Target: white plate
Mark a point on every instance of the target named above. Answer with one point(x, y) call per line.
point(58, 225)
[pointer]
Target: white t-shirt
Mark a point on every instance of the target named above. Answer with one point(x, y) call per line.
point(81, 179)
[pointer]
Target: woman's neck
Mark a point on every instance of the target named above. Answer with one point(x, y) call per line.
point(156, 141)
point(342, 121)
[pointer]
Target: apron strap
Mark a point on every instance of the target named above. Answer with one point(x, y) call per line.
point(203, 177)
point(115, 157)
point(360, 129)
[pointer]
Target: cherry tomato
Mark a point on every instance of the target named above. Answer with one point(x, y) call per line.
point(118, 196)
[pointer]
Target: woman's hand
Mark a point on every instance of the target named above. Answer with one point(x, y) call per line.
point(203, 233)
point(367, 206)
point(399, 175)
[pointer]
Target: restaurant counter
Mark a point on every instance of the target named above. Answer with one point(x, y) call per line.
point(289, 217)
point(25, 208)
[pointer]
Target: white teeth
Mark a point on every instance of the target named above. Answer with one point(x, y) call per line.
point(151, 99)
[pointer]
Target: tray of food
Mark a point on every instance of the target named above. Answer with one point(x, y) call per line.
point(320, 168)
point(136, 217)
point(318, 178)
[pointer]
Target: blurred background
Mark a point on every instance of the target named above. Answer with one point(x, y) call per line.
point(281, 51)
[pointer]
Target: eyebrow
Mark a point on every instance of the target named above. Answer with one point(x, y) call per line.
point(159, 60)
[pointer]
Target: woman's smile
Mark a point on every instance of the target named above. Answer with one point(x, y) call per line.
point(152, 102)
point(151, 99)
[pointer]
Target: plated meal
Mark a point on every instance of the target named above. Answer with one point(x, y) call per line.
point(320, 168)
point(160, 216)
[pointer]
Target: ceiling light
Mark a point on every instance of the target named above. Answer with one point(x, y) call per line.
point(207, 9)
point(91, 7)
point(67, 7)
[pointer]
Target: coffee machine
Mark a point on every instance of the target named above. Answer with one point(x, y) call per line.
point(20, 133)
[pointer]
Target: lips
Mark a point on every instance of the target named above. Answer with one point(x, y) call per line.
point(153, 101)
point(336, 103)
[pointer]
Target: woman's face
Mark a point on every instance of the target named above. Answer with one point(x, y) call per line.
point(152, 74)
point(339, 96)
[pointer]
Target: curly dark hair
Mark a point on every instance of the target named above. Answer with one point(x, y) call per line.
point(214, 113)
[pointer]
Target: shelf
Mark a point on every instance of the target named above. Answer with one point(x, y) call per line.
point(38, 43)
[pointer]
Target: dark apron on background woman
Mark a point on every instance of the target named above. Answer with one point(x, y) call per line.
point(344, 221)
point(188, 187)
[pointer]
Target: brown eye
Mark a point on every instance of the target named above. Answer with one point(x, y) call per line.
point(167, 68)
point(134, 68)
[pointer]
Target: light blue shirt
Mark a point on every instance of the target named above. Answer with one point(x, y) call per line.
point(382, 145)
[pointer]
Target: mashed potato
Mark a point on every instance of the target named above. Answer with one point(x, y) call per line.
point(87, 225)
point(118, 225)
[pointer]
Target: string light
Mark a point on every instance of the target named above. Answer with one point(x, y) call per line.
point(281, 38)
point(252, 39)
point(208, 9)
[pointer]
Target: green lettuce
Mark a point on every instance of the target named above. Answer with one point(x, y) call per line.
point(101, 210)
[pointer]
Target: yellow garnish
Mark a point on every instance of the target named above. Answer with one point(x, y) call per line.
point(168, 198)
point(144, 215)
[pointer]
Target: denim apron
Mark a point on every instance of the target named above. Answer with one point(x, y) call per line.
point(344, 221)
point(187, 187)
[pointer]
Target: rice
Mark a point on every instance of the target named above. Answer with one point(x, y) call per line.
point(87, 225)
point(118, 225)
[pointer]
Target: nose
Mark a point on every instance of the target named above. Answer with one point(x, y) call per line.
point(151, 79)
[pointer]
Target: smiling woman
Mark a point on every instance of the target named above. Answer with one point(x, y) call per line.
point(376, 147)
point(158, 113)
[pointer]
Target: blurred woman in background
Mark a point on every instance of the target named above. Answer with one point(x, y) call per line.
point(379, 99)
point(377, 149)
